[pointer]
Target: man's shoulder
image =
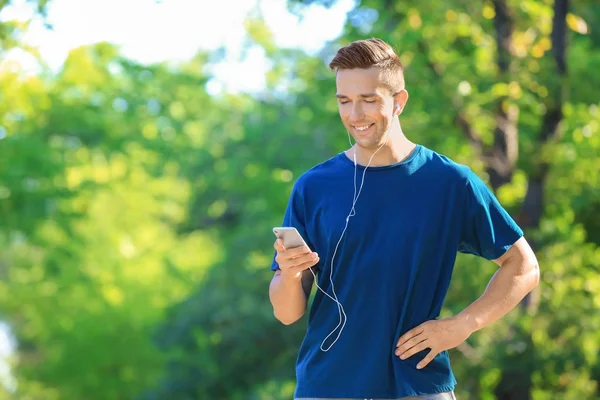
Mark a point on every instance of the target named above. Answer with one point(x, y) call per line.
point(322, 171)
point(447, 168)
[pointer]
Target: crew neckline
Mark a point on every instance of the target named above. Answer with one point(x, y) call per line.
point(407, 160)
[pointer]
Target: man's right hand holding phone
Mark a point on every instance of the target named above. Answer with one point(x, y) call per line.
point(293, 261)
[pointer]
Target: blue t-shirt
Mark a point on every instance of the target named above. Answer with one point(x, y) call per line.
point(392, 269)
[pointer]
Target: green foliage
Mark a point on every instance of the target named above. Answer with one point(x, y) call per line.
point(135, 209)
point(92, 202)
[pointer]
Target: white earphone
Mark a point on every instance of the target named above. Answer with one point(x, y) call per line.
point(342, 313)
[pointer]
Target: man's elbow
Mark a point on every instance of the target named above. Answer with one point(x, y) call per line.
point(287, 319)
point(533, 274)
point(536, 274)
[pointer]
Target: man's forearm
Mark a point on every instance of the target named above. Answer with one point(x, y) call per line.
point(506, 289)
point(287, 297)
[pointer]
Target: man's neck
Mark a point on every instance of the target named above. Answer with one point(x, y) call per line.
point(396, 148)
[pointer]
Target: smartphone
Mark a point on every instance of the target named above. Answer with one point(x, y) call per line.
point(289, 236)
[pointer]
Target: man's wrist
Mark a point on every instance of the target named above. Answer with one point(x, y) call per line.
point(469, 321)
point(292, 277)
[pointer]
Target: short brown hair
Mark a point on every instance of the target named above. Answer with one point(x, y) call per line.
point(369, 53)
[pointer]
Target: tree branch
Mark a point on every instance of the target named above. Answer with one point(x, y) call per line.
point(516, 383)
point(559, 35)
point(501, 158)
point(533, 205)
point(504, 27)
point(470, 133)
point(506, 137)
point(460, 119)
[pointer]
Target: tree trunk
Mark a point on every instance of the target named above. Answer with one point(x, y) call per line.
point(516, 379)
point(502, 157)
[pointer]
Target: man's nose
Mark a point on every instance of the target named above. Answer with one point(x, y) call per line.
point(356, 113)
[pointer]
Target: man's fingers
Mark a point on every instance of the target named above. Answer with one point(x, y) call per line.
point(307, 264)
point(409, 335)
point(302, 262)
point(297, 252)
point(428, 358)
point(415, 349)
point(410, 343)
point(298, 255)
point(278, 245)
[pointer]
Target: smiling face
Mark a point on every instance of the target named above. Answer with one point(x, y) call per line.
point(366, 105)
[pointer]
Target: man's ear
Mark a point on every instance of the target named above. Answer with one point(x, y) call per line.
point(400, 100)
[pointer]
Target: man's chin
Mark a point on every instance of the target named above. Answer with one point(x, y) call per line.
point(369, 143)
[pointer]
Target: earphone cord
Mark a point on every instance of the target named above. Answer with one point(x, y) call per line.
point(341, 311)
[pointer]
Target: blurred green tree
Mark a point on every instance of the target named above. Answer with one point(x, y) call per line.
point(136, 209)
point(493, 87)
point(92, 200)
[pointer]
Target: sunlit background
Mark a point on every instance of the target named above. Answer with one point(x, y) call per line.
point(145, 31)
point(147, 148)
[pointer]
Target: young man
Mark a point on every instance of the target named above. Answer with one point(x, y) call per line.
point(383, 222)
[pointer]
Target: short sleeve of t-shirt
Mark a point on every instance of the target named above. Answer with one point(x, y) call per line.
point(488, 230)
point(294, 217)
